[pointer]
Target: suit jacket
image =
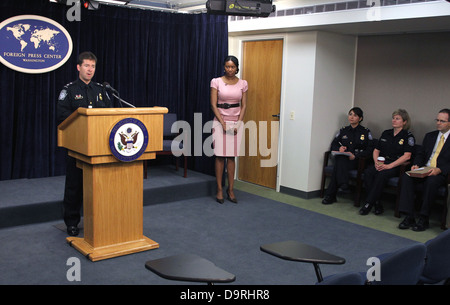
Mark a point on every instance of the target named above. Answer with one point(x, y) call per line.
point(425, 151)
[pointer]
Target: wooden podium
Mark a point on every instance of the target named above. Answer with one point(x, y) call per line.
point(112, 189)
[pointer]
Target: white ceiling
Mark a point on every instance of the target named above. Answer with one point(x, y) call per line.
point(441, 23)
point(195, 6)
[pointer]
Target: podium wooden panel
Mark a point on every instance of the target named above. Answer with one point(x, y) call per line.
point(112, 189)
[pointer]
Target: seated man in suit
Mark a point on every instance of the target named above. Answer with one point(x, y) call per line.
point(435, 152)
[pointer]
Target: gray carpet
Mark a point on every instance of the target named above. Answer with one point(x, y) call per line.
point(228, 235)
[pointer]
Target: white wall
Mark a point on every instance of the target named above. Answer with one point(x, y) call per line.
point(333, 95)
point(318, 79)
point(298, 86)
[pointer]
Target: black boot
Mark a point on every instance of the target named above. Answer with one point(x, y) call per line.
point(378, 208)
point(407, 223)
point(329, 199)
point(366, 209)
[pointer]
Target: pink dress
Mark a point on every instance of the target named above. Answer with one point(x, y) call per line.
point(227, 144)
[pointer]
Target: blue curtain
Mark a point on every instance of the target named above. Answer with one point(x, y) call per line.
point(152, 58)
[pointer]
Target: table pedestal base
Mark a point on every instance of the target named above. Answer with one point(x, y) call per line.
point(110, 251)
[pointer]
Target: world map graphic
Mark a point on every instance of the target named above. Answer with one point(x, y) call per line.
point(37, 36)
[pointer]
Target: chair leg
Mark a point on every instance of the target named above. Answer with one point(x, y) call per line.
point(444, 217)
point(397, 204)
point(322, 185)
point(318, 272)
point(358, 190)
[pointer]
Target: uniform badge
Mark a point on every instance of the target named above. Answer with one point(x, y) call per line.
point(78, 97)
point(362, 137)
point(62, 95)
point(400, 142)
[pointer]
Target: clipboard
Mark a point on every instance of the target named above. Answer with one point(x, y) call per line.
point(338, 153)
point(420, 172)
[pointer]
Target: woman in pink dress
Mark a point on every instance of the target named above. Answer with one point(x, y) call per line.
point(228, 102)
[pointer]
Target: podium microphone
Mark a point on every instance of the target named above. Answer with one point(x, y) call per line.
point(108, 86)
point(114, 92)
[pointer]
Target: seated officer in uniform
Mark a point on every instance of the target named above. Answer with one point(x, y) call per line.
point(82, 92)
point(355, 141)
point(396, 146)
point(435, 153)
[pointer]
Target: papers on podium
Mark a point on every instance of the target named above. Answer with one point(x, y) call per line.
point(420, 172)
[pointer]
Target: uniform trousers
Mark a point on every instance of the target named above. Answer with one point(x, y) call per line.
point(73, 193)
point(429, 188)
point(342, 166)
point(375, 181)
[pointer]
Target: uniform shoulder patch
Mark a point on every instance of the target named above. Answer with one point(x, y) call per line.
point(62, 94)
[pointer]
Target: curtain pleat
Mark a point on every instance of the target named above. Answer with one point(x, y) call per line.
point(152, 58)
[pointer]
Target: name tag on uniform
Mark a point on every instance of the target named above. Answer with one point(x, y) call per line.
point(78, 97)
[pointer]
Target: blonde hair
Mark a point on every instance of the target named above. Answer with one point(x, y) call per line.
point(405, 116)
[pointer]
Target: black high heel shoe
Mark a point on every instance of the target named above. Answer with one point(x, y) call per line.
point(234, 200)
point(221, 201)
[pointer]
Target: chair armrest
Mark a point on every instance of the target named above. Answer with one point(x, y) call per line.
point(404, 167)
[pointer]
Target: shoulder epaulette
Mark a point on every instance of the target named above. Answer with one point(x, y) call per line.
point(68, 85)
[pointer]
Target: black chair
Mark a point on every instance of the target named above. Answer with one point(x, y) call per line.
point(355, 175)
point(345, 278)
point(402, 267)
point(170, 145)
point(437, 262)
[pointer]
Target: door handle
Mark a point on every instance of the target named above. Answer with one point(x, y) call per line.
point(276, 116)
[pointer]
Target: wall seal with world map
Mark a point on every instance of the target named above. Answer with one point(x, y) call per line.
point(33, 44)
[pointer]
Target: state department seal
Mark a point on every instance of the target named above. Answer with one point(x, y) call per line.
point(128, 139)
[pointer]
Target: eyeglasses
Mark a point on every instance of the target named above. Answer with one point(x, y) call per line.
point(441, 121)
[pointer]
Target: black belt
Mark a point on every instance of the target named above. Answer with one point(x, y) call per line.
point(226, 105)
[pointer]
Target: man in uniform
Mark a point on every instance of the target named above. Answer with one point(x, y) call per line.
point(87, 94)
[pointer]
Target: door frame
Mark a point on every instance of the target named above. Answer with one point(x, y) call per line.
point(236, 45)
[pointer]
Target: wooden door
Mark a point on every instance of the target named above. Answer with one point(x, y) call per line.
point(261, 68)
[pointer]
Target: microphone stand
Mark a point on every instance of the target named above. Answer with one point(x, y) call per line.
point(122, 101)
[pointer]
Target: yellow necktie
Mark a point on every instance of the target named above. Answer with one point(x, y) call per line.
point(438, 150)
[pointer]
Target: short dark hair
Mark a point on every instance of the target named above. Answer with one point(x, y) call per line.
point(234, 60)
point(86, 55)
point(358, 111)
point(447, 111)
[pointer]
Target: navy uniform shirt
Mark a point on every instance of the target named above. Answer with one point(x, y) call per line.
point(77, 94)
point(358, 140)
point(393, 147)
